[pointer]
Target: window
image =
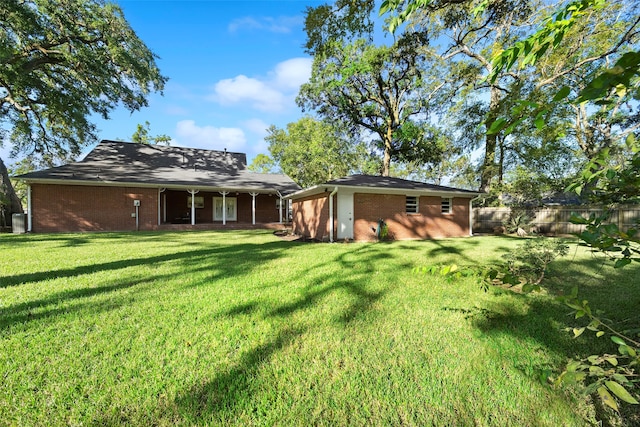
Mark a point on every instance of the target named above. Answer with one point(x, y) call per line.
point(198, 202)
point(412, 204)
point(445, 206)
point(230, 204)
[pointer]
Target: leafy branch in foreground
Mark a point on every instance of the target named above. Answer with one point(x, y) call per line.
point(526, 266)
point(608, 373)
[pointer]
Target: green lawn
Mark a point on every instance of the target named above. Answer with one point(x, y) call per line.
point(242, 328)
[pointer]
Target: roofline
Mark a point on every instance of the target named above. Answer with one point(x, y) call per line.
point(180, 147)
point(272, 190)
point(318, 189)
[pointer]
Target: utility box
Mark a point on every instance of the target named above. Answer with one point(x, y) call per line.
point(18, 223)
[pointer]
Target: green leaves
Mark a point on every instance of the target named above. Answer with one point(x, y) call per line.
point(606, 398)
point(312, 151)
point(63, 62)
point(620, 392)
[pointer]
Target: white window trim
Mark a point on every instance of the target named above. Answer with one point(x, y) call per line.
point(417, 206)
point(234, 201)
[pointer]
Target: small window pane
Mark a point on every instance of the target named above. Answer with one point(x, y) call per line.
point(412, 204)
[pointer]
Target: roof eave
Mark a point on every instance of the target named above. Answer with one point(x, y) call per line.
point(170, 186)
point(323, 188)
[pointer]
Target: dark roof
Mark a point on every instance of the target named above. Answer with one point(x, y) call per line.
point(383, 184)
point(389, 182)
point(155, 165)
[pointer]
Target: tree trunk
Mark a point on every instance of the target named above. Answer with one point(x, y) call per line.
point(9, 201)
point(386, 161)
point(488, 170)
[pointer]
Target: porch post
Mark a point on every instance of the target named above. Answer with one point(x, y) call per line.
point(224, 206)
point(160, 191)
point(193, 193)
point(253, 208)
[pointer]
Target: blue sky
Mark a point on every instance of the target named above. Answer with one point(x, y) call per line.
point(234, 68)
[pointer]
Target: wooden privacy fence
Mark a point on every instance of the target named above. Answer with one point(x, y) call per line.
point(554, 219)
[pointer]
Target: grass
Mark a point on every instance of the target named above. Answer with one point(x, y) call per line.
point(241, 328)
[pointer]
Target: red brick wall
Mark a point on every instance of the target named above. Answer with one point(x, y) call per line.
point(59, 208)
point(311, 216)
point(428, 223)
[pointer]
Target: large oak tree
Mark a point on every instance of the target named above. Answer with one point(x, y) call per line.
point(60, 62)
point(379, 89)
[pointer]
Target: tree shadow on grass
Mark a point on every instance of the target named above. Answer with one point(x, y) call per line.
point(220, 261)
point(218, 398)
point(33, 310)
point(229, 256)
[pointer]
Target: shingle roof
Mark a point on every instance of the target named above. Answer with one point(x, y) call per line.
point(384, 185)
point(389, 182)
point(128, 163)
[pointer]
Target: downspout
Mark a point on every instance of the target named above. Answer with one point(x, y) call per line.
point(29, 208)
point(331, 222)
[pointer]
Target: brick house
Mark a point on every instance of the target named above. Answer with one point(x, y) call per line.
point(352, 207)
point(123, 186)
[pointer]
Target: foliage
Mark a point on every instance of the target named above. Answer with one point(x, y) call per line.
point(336, 22)
point(141, 136)
point(519, 218)
point(607, 373)
point(524, 265)
point(523, 70)
point(262, 163)
point(61, 62)
point(312, 151)
point(377, 89)
point(622, 247)
point(530, 261)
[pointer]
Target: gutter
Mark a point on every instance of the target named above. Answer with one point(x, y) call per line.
point(331, 222)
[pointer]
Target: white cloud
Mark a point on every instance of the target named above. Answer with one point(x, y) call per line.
point(209, 137)
point(292, 73)
point(245, 89)
point(281, 24)
point(275, 93)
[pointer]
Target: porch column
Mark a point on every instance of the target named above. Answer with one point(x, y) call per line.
point(164, 207)
point(160, 191)
point(29, 220)
point(193, 193)
point(224, 206)
point(253, 208)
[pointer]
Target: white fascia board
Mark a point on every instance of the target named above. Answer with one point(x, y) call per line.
point(319, 189)
point(145, 185)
